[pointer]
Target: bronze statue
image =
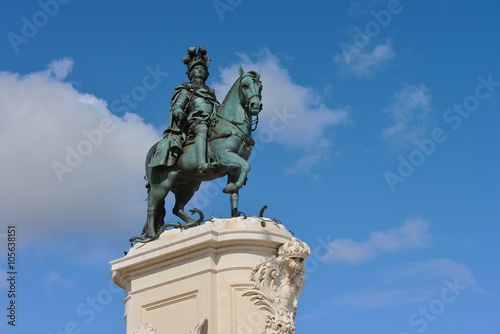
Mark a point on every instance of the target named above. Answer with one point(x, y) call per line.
point(204, 141)
point(193, 104)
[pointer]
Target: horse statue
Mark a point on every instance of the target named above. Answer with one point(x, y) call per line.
point(229, 145)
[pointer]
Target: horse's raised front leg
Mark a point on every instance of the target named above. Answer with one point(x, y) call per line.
point(238, 167)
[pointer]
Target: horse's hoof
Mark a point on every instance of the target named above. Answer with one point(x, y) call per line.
point(230, 188)
point(142, 240)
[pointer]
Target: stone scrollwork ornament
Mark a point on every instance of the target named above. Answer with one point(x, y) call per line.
point(146, 329)
point(278, 283)
point(199, 326)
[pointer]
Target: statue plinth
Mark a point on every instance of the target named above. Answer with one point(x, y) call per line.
point(234, 275)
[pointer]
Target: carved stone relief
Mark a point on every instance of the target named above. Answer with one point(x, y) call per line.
point(146, 329)
point(278, 283)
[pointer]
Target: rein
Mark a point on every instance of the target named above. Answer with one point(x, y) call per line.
point(237, 124)
point(232, 122)
point(254, 122)
point(254, 95)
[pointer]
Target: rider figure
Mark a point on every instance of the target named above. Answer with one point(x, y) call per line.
point(193, 103)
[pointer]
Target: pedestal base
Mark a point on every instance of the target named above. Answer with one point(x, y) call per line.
point(193, 281)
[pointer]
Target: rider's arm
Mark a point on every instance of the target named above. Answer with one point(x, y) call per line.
point(180, 106)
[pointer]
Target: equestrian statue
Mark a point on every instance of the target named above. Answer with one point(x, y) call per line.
point(204, 141)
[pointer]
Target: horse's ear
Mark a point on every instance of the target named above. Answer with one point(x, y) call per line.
point(240, 71)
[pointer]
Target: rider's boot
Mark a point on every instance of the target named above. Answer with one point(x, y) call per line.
point(200, 145)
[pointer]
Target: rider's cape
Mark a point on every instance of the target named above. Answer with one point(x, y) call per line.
point(170, 147)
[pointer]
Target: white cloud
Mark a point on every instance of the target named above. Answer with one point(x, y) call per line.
point(375, 298)
point(60, 69)
point(306, 162)
point(412, 283)
point(54, 280)
point(42, 119)
point(431, 270)
point(411, 113)
point(412, 234)
point(293, 115)
point(365, 64)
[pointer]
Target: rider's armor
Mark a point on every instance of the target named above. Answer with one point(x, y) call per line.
point(193, 103)
point(197, 103)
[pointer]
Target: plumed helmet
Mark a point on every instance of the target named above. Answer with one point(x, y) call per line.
point(192, 58)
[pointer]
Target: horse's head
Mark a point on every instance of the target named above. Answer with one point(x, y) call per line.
point(250, 91)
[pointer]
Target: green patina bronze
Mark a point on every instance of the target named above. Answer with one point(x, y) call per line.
point(204, 141)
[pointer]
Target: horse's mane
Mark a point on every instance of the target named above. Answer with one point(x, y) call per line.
point(253, 73)
point(228, 93)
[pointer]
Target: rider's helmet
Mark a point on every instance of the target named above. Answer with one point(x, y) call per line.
point(192, 59)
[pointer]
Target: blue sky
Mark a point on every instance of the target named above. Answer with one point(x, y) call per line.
point(377, 145)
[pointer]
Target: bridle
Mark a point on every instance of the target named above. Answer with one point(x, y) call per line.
point(255, 121)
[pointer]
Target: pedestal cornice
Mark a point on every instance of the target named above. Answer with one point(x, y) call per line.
point(217, 235)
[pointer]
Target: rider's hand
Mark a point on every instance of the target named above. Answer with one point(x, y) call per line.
point(179, 115)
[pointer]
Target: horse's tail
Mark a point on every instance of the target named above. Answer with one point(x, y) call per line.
point(147, 177)
point(149, 157)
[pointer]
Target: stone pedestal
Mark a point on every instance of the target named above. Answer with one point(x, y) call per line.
point(228, 276)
